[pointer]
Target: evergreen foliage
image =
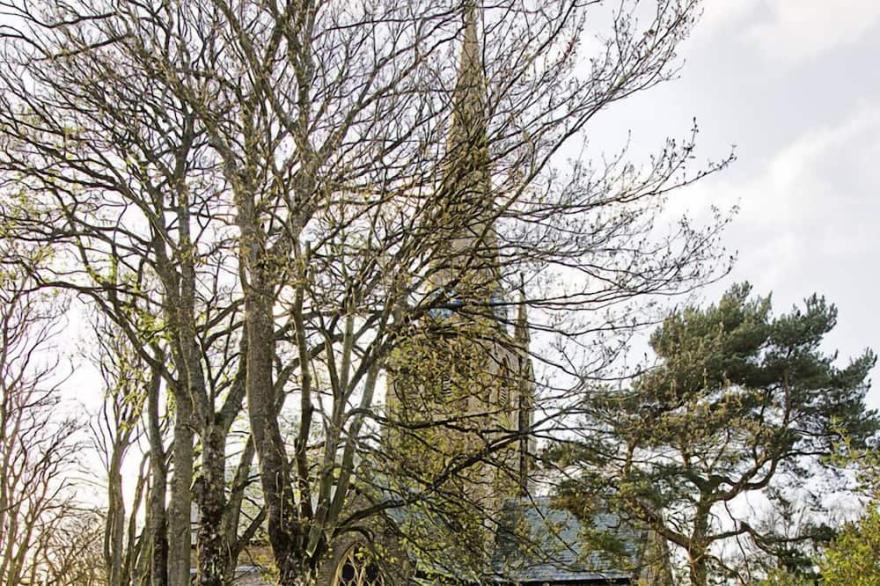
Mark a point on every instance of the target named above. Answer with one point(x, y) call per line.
point(740, 399)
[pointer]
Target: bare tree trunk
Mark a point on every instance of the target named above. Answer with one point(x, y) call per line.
point(158, 519)
point(698, 568)
point(180, 509)
point(211, 498)
point(698, 547)
point(114, 530)
point(134, 569)
point(262, 408)
point(233, 511)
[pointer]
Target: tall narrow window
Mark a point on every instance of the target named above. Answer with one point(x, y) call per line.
point(507, 381)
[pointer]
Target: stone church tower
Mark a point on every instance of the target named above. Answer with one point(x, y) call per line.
point(460, 403)
point(460, 387)
point(465, 379)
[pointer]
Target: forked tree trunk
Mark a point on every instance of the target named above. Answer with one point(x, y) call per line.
point(698, 566)
point(270, 447)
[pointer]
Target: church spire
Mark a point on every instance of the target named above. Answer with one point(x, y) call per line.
point(469, 255)
point(469, 129)
point(466, 169)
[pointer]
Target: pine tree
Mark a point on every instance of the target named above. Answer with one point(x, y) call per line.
point(740, 399)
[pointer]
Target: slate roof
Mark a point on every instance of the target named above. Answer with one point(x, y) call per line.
point(245, 575)
point(539, 543)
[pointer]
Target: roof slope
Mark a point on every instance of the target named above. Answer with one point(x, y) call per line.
point(542, 543)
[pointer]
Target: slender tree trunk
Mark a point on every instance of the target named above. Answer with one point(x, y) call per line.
point(114, 530)
point(133, 566)
point(262, 408)
point(699, 548)
point(158, 520)
point(179, 278)
point(180, 509)
point(284, 536)
point(158, 525)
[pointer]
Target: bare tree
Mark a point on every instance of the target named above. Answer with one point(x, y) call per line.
point(115, 430)
point(71, 551)
point(38, 444)
point(130, 215)
point(304, 184)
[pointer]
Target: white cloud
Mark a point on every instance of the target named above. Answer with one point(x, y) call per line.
point(821, 187)
point(824, 175)
point(724, 13)
point(808, 223)
point(791, 31)
point(795, 30)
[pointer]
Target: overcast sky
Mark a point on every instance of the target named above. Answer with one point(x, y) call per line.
point(795, 86)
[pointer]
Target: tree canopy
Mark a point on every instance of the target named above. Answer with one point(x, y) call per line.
point(740, 399)
point(263, 199)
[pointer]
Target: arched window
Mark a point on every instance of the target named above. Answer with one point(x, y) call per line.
point(358, 568)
